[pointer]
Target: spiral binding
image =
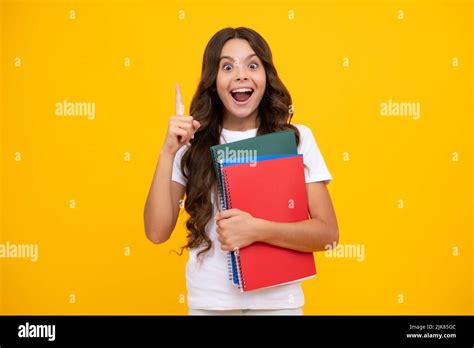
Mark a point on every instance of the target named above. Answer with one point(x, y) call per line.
point(227, 198)
point(240, 275)
point(228, 202)
point(225, 204)
point(218, 166)
point(229, 267)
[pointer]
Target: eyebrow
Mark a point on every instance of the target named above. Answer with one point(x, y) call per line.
point(231, 58)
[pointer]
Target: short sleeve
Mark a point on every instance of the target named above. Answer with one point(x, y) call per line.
point(315, 169)
point(177, 174)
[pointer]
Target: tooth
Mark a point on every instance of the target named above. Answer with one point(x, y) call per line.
point(241, 90)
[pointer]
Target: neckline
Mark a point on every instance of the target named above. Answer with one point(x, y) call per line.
point(225, 130)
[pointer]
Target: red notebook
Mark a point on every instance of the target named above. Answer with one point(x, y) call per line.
point(273, 190)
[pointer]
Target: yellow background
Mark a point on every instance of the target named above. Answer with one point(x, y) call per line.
point(408, 250)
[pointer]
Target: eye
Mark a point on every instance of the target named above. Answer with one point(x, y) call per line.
point(227, 67)
point(253, 66)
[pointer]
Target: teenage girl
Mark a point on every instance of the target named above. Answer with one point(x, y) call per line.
point(239, 96)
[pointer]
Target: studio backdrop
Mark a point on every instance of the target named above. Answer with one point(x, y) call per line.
point(87, 90)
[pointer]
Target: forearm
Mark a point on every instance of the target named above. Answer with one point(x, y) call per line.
point(308, 235)
point(159, 210)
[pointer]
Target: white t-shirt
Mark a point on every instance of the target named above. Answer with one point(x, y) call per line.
point(208, 281)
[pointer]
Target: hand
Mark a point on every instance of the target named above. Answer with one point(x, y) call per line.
point(181, 128)
point(236, 228)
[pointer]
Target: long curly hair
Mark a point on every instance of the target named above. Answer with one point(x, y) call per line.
point(274, 113)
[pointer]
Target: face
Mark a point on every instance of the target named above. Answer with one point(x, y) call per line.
point(241, 79)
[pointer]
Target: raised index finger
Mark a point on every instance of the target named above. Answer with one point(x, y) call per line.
point(179, 102)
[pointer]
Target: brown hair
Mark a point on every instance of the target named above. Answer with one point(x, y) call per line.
point(206, 107)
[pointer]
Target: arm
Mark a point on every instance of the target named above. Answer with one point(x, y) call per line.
point(162, 204)
point(238, 229)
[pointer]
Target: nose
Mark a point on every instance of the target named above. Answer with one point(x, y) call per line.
point(241, 75)
point(244, 78)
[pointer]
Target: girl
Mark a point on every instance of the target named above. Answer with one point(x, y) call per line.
point(239, 96)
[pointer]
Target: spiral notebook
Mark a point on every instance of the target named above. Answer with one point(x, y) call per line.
point(273, 189)
point(276, 143)
point(232, 263)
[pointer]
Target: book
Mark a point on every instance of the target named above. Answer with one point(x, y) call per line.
point(232, 260)
point(273, 188)
point(246, 150)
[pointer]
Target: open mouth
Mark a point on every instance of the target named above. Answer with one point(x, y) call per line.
point(241, 95)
